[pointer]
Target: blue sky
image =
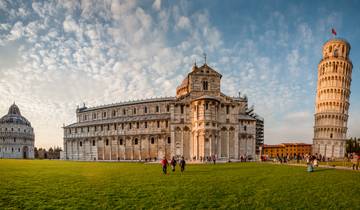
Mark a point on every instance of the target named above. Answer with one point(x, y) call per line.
point(55, 55)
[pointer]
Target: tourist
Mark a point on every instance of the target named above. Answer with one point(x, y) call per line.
point(355, 161)
point(316, 164)
point(164, 164)
point(173, 164)
point(213, 159)
point(182, 164)
point(309, 161)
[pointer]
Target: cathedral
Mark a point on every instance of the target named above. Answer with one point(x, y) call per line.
point(199, 122)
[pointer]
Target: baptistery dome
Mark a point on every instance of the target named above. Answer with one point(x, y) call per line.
point(16, 135)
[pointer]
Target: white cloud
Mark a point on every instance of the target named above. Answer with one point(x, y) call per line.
point(157, 5)
point(16, 31)
point(183, 23)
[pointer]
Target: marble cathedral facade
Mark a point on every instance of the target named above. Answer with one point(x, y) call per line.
point(199, 122)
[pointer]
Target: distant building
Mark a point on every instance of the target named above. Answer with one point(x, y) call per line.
point(286, 149)
point(199, 122)
point(332, 99)
point(16, 135)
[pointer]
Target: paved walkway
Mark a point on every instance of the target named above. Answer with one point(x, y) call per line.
point(320, 166)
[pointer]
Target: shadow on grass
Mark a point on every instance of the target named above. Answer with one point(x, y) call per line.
point(323, 169)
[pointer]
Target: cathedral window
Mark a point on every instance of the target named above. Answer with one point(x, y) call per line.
point(182, 109)
point(152, 140)
point(145, 109)
point(129, 125)
point(157, 109)
point(114, 113)
point(227, 109)
point(124, 111)
point(205, 85)
point(206, 106)
point(122, 126)
point(14, 139)
point(94, 116)
point(107, 127)
point(107, 142)
point(101, 127)
point(81, 130)
point(167, 108)
point(166, 123)
point(12, 149)
point(115, 126)
point(95, 128)
point(245, 127)
point(137, 125)
point(88, 129)
point(169, 140)
point(104, 114)
point(93, 143)
point(331, 135)
point(121, 142)
point(145, 125)
point(136, 141)
point(134, 110)
point(158, 124)
point(80, 144)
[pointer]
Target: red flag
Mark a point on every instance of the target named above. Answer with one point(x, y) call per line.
point(333, 31)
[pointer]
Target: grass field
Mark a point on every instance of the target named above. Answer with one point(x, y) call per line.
point(27, 184)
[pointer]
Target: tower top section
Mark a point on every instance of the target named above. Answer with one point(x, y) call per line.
point(336, 47)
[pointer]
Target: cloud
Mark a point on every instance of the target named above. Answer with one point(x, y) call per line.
point(157, 5)
point(16, 31)
point(183, 23)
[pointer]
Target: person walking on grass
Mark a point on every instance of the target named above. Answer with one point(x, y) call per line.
point(355, 162)
point(316, 163)
point(182, 164)
point(173, 164)
point(164, 164)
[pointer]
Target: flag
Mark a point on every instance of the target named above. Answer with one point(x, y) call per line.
point(333, 31)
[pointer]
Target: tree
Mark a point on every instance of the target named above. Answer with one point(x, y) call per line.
point(352, 145)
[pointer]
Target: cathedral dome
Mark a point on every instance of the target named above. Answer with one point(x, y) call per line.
point(14, 116)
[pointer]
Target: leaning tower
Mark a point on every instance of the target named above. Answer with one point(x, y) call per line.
point(332, 99)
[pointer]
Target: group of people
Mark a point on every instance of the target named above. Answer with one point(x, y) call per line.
point(164, 163)
point(311, 162)
point(207, 159)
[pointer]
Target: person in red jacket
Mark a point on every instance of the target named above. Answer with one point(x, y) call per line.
point(164, 164)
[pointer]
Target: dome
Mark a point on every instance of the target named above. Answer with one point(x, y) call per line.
point(14, 109)
point(14, 116)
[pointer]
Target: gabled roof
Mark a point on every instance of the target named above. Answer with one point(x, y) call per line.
point(204, 69)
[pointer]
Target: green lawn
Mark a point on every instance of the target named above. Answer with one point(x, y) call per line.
point(27, 184)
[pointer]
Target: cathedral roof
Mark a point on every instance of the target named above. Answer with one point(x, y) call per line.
point(14, 116)
point(151, 100)
point(204, 69)
point(164, 116)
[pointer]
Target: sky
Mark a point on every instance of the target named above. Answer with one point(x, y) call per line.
point(55, 55)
